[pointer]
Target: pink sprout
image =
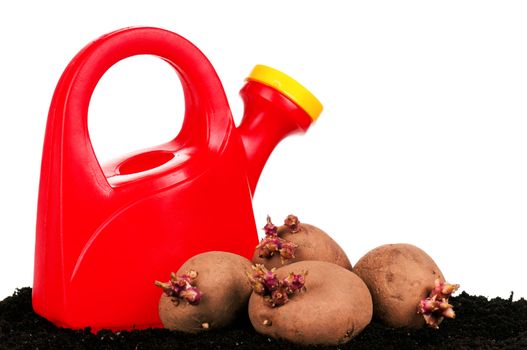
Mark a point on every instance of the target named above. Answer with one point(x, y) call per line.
point(292, 223)
point(192, 295)
point(271, 282)
point(294, 282)
point(435, 307)
point(272, 244)
point(443, 289)
point(287, 250)
point(277, 298)
point(269, 228)
point(275, 292)
point(269, 246)
point(182, 288)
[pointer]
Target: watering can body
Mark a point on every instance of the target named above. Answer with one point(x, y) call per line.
point(105, 233)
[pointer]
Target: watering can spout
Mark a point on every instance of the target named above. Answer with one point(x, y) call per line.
point(275, 106)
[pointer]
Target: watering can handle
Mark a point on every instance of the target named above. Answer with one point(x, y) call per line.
point(204, 95)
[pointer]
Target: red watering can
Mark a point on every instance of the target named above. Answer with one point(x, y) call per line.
point(106, 233)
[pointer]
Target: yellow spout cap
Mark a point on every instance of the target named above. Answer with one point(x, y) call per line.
point(289, 87)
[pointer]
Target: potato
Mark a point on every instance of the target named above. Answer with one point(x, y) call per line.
point(335, 307)
point(398, 276)
point(311, 244)
point(221, 278)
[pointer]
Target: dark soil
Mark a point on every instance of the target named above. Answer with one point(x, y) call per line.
point(480, 324)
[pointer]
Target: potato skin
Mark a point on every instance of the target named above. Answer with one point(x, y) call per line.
point(398, 277)
point(313, 244)
point(335, 307)
point(223, 283)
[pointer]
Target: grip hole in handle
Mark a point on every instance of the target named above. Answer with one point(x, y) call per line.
point(137, 103)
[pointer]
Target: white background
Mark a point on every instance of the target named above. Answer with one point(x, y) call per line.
point(422, 139)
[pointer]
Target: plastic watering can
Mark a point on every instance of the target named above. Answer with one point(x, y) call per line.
point(106, 233)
